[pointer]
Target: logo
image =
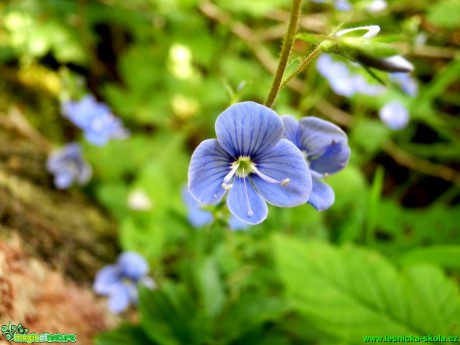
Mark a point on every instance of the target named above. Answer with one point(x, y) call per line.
point(19, 334)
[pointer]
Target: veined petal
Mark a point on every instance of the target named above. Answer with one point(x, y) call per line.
point(291, 129)
point(208, 167)
point(132, 265)
point(322, 196)
point(106, 279)
point(284, 161)
point(325, 143)
point(248, 128)
point(332, 160)
point(245, 203)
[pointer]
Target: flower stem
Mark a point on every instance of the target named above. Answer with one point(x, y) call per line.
point(285, 52)
point(302, 66)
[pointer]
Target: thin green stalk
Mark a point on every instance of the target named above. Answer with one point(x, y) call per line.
point(285, 52)
point(302, 66)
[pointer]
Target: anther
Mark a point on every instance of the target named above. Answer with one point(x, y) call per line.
point(285, 181)
point(227, 186)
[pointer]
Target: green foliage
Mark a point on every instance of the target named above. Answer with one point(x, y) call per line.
point(349, 292)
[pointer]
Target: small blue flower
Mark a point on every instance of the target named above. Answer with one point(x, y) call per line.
point(395, 115)
point(340, 5)
point(251, 160)
point(325, 148)
point(120, 281)
point(342, 81)
point(199, 217)
point(95, 119)
point(68, 166)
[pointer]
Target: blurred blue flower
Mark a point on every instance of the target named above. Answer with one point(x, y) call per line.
point(68, 166)
point(340, 5)
point(342, 81)
point(251, 160)
point(199, 217)
point(325, 148)
point(406, 82)
point(395, 115)
point(120, 281)
point(95, 119)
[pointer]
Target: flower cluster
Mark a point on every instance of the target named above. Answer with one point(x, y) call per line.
point(343, 81)
point(393, 113)
point(68, 166)
point(343, 5)
point(257, 161)
point(198, 216)
point(120, 281)
point(95, 119)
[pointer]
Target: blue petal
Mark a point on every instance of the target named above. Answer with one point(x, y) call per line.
point(332, 160)
point(281, 162)
point(132, 265)
point(326, 145)
point(245, 203)
point(291, 129)
point(106, 279)
point(236, 224)
point(63, 179)
point(96, 138)
point(208, 166)
point(196, 216)
point(322, 197)
point(248, 128)
point(120, 298)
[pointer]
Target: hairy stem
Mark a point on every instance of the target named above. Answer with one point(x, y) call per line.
point(285, 52)
point(302, 66)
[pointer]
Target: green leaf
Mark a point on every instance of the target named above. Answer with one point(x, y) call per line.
point(211, 287)
point(349, 292)
point(171, 316)
point(443, 255)
point(248, 314)
point(445, 14)
point(123, 335)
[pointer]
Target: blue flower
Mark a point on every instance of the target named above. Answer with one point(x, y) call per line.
point(342, 81)
point(95, 119)
point(68, 166)
point(120, 281)
point(251, 160)
point(395, 115)
point(341, 5)
point(198, 217)
point(325, 148)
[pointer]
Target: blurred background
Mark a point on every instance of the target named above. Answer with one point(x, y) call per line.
point(383, 260)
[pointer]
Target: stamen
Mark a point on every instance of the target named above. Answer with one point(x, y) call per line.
point(268, 178)
point(226, 183)
point(250, 211)
point(227, 186)
point(318, 175)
